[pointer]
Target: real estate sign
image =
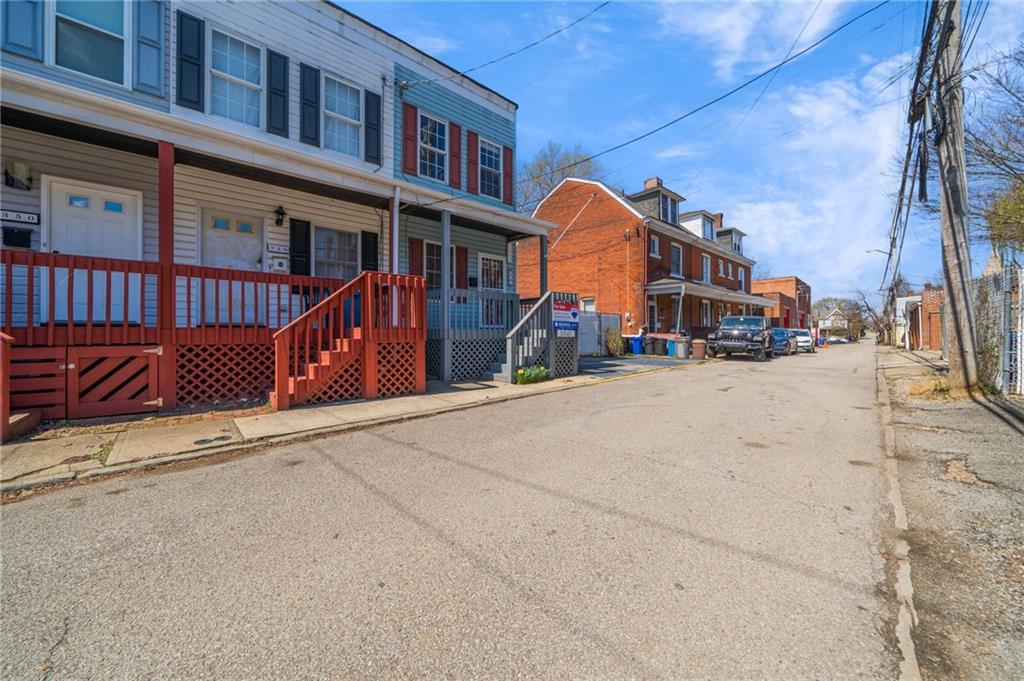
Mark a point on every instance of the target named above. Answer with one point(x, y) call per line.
point(566, 317)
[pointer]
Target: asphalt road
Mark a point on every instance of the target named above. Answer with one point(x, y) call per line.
point(721, 521)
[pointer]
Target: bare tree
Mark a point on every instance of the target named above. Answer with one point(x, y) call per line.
point(551, 165)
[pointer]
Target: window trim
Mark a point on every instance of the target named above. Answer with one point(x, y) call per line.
point(209, 73)
point(479, 271)
point(705, 268)
point(706, 322)
point(324, 114)
point(50, 43)
point(721, 267)
point(593, 304)
point(312, 245)
point(654, 245)
point(672, 248)
point(421, 114)
point(480, 167)
point(730, 270)
point(666, 207)
point(451, 269)
point(742, 276)
point(706, 224)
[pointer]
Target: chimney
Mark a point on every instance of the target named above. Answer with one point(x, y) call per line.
point(652, 183)
point(719, 217)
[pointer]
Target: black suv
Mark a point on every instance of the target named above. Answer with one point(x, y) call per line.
point(742, 334)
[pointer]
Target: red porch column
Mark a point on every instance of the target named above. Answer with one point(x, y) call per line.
point(166, 378)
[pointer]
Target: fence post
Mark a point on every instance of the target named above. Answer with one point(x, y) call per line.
point(166, 322)
point(550, 331)
point(5, 386)
point(419, 318)
point(370, 386)
point(282, 396)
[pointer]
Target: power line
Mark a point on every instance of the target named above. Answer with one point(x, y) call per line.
point(413, 83)
point(703, 106)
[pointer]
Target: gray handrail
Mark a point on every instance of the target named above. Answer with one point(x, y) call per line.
point(530, 339)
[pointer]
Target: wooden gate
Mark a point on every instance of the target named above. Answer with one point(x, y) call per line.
point(109, 380)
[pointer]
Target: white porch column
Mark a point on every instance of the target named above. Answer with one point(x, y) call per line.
point(396, 203)
point(446, 273)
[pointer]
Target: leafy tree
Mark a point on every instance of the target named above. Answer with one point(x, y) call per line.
point(551, 165)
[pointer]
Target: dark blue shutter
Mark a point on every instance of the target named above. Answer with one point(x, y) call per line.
point(23, 27)
point(299, 247)
point(370, 251)
point(149, 47)
point(371, 129)
point(191, 74)
point(309, 108)
point(277, 93)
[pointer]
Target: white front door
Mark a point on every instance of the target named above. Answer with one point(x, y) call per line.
point(234, 242)
point(103, 222)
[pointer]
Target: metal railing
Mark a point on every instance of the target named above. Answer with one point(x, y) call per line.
point(5, 386)
point(473, 314)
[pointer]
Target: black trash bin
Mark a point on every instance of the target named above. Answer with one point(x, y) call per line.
point(660, 346)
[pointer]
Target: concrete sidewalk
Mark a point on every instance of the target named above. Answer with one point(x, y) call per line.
point(44, 460)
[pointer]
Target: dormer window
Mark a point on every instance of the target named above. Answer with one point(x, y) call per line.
point(669, 210)
point(737, 243)
point(708, 228)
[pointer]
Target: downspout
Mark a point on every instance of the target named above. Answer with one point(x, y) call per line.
point(644, 248)
point(396, 206)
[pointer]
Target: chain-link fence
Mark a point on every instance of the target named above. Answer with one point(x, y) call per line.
point(999, 324)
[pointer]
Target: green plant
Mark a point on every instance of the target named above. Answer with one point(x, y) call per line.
point(614, 342)
point(532, 374)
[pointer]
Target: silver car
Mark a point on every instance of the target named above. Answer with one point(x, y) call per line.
point(804, 341)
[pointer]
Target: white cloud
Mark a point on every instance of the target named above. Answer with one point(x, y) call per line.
point(431, 43)
point(677, 151)
point(747, 36)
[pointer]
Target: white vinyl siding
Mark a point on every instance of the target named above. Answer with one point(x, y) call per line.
point(342, 116)
point(236, 79)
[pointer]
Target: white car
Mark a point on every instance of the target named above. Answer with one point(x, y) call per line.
point(803, 340)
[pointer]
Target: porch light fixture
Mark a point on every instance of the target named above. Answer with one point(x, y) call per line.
point(279, 216)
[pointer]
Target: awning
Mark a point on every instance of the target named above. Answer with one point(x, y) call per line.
point(709, 291)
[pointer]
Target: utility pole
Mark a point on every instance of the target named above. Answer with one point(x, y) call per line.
point(958, 329)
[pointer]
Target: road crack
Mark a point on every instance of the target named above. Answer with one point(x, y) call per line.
point(47, 667)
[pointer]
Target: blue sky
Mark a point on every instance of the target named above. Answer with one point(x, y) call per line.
point(809, 174)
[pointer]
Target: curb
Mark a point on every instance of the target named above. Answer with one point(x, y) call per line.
point(904, 588)
point(247, 446)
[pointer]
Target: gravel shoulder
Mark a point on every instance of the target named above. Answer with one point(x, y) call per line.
point(962, 474)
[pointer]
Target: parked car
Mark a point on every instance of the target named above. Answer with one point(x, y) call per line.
point(742, 334)
point(804, 341)
point(785, 343)
point(838, 340)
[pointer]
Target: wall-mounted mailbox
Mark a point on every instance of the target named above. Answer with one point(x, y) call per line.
point(17, 237)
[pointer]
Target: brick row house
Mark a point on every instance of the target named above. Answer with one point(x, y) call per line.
point(792, 301)
point(639, 256)
point(189, 184)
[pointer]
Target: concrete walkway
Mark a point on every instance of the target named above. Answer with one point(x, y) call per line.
point(42, 460)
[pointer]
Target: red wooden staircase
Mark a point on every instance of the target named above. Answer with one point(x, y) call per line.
point(333, 352)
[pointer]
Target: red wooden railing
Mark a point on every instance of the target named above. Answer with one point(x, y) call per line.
point(373, 308)
point(5, 386)
point(53, 299)
point(218, 305)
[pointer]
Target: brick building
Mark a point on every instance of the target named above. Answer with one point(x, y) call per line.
point(640, 257)
point(792, 300)
point(924, 319)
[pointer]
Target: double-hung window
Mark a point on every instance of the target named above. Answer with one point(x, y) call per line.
point(342, 116)
point(432, 265)
point(730, 270)
point(743, 278)
point(654, 246)
point(708, 229)
point(677, 261)
point(705, 268)
point(89, 37)
point(705, 313)
point(433, 148)
point(669, 209)
point(490, 169)
point(235, 79)
point(336, 253)
point(721, 268)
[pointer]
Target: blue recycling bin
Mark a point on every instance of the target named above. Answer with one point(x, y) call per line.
point(636, 345)
point(671, 348)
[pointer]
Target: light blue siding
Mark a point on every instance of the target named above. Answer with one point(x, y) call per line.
point(24, 52)
point(475, 242)
point(440, 101)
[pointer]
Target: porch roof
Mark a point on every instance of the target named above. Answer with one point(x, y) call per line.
point(692, 288)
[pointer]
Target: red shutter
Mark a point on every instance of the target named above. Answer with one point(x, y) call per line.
point(506, 171)
point(455, 156)
point(416, 256)
point(472, 162)
point(461, 267)
point(410, 124)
